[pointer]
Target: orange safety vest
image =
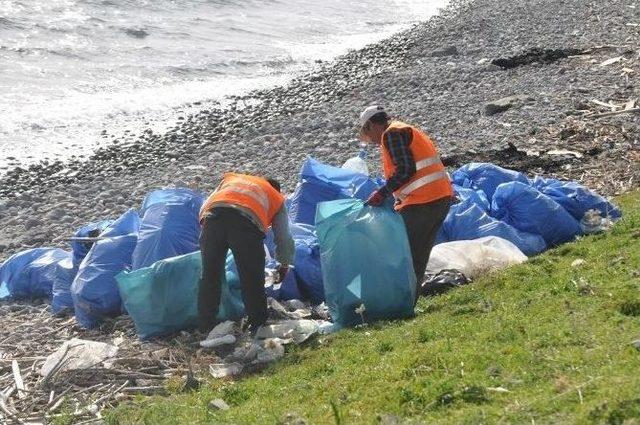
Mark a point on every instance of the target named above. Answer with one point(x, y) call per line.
point(250, 192)
point(430, 182)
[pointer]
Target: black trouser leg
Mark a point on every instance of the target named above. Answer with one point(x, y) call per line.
point(214, 247)
point(423, 221)
point(247, 244)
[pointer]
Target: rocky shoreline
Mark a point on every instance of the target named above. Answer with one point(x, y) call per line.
point(540, 86)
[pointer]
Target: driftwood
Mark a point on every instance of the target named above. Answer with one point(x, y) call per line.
point(612, 113)
point(29, 333)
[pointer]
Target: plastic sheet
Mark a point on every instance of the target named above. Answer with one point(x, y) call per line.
point(321, 182)
point(33, 273)
point(529, 210)
point(94, 290)
point(366, 262)
point(486, 177)
point(466, 221)
point(169, 227)
point(475, 257)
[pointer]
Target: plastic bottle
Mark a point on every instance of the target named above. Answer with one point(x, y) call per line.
point(357, 163)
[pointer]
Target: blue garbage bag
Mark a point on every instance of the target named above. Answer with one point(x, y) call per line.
point(366, 261)
point(80, 249)
point(529, 210)
point(476, 196)
point(163, 298)
point(466, 221)
point(321, 182)
point(94, 290)
point(486, 177)
point(307, 268)
point(575, 198)
point(33, 273)
point(169, 227)
point(285, 290)
point(61, 300)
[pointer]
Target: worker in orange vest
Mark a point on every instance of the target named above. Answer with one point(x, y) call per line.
point(415, 176)
point(236, 217)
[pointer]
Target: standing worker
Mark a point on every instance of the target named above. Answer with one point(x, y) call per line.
point(415, 176)
point(237, 216)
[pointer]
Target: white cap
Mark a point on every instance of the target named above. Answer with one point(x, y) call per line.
point(369, 112)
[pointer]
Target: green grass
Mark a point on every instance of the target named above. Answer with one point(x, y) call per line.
point(543, 342)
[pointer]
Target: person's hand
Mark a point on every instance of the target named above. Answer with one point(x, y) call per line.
point(281, 273)
point(376, 199)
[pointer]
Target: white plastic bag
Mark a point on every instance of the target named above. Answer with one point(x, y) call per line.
point(475, 257)
point(357, 163)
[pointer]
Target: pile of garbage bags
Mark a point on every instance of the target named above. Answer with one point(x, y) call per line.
point(533, 214)
point(146, 263)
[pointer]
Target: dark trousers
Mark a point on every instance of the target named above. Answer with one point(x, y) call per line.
point(224, 229)
point(423, 221)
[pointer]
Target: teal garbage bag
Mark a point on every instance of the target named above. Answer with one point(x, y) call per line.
point(366, 262)
point(163, 298)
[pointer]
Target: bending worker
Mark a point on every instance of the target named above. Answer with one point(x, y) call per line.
point(415, 176)
point(237, 216)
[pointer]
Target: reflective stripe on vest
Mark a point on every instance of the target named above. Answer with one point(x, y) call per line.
point(422, 181)
point(427, 162)
point(251, 189)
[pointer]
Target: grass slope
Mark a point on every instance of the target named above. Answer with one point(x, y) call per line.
point(543, 342)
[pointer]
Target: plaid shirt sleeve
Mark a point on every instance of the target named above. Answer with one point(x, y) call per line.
point(397, 144)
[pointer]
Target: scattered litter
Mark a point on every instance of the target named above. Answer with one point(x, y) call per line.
point(222, 329)
point(611, 61)
point(564, 152)
point(272, 350)
point(443, 281)
point(498, 389)
point(578, 262)
point(636, 344)
point(217, 342)
point(77, 354)
point(593, 222)
point(297, 330)
point(218, 404)
point(224, 370)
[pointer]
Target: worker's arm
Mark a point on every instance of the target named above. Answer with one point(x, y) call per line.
point(397, 143)
point(285, 247)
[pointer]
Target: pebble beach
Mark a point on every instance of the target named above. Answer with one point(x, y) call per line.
point(546, 87)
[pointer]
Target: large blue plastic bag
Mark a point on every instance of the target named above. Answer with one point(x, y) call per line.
point(80, 249)
point(307, 268)
point(476, 196)
point(486, 177)
point(466, 221)
point(529, 210)
point(575, 198)
point(169, 226)
point(33, 273)
point(321, 182)
point(366, 262)
point(94, 290)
